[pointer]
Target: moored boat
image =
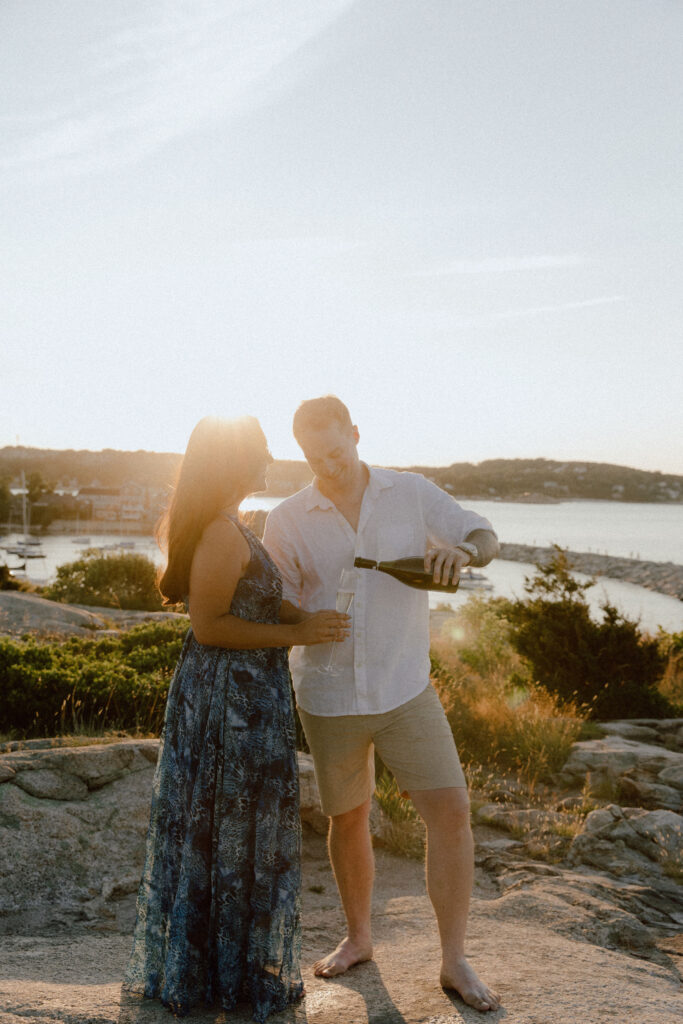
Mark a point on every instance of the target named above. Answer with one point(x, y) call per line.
point(472, 580)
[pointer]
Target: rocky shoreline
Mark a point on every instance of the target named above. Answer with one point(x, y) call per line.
point(73, 822)
point(662, 577)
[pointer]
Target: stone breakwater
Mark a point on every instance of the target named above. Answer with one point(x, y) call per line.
point(662, 577)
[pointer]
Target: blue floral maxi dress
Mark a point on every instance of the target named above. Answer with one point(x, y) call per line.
point(218, 912)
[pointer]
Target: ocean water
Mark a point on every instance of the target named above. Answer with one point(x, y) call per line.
point(653, 611)
point(650, 532)
point(653, 533)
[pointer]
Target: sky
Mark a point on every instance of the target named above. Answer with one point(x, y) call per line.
point(463, 217)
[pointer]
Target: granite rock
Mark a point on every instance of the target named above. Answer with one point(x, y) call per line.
point(629, 731)
point(630, 841)
point(73, 824)
point(523, 819)
point(614, 756)
point(50, 785)
point(672, 776)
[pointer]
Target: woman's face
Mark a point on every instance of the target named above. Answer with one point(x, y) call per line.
point(258, 467)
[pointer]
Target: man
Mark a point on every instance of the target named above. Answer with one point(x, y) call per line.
point(381, 697)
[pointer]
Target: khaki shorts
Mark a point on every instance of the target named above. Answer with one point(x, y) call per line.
point(414, 741)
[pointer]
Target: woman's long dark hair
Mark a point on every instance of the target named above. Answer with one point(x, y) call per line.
point(216, 471)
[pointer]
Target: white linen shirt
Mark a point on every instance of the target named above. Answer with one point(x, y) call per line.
point(385, 660)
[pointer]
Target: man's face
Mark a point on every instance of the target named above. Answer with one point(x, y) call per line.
point(332, 453)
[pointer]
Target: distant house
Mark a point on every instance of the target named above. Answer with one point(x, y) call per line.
point(129, 502)
point(104, 501)
point(133, 502)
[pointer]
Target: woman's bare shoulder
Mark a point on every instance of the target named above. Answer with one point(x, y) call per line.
point(222, 537)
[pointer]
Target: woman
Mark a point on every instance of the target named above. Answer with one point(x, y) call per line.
point(218, 906)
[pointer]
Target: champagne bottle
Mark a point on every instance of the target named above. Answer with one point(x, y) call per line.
point(410, 571)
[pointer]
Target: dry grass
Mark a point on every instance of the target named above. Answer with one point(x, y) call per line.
point(498, 716)
point(83, 739)
point(673, 869)
point(403, 831)
point(671, 685)
point(510, 734)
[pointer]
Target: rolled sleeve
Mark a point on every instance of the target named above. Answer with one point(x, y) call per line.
point(284, 556)
point(448, 523)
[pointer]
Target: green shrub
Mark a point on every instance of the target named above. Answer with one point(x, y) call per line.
point(671, 685)
point(609, 668)
point(108, 581)
point(7, 580)
point(481, 634)
point(112, 683)
point(499, 717)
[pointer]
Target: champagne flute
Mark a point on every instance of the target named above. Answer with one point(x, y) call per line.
point(345, 594)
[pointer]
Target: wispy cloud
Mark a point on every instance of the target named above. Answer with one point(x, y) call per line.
point(158, 76)
point(503, 265)
point(561, 307)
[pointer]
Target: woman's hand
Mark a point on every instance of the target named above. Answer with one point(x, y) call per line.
point(323, 627)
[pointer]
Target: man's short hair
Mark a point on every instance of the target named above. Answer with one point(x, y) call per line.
point(319, 413)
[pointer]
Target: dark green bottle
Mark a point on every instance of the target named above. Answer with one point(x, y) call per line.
point(410, 571)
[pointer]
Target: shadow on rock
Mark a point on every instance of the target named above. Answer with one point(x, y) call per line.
point(366, 980)
point(467, 1014)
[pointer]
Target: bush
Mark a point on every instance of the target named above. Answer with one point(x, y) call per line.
point(7, 580)
point(80, 685)
point(671, 685)
point(125, 581)
point(498, 716)
point(607, 668)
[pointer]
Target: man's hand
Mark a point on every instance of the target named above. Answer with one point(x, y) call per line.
point(444, 562)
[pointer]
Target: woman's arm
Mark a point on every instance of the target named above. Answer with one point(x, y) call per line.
point(220, 559)
point(291, 613)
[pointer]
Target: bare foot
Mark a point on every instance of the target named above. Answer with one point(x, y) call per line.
point(339, 960)
point(463, 978)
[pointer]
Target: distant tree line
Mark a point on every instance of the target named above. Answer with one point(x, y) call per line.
point(519, 478)
point(109, 467)
point(493, 478)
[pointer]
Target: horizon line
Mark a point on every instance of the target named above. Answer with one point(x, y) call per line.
point(411, 465)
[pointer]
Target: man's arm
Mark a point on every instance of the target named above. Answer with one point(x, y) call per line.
point(444, 561)
point(487, 545)
point(448, 526)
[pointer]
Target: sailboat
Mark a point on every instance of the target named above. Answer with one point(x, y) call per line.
point(29, 547)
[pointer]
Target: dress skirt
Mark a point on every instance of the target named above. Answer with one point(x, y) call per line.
point(218, 912)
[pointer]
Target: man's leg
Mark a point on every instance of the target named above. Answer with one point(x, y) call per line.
point(450, 874)
point(354, 867)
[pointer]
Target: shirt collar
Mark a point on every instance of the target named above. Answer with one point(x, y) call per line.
point(316, 499)
point(378, 481)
